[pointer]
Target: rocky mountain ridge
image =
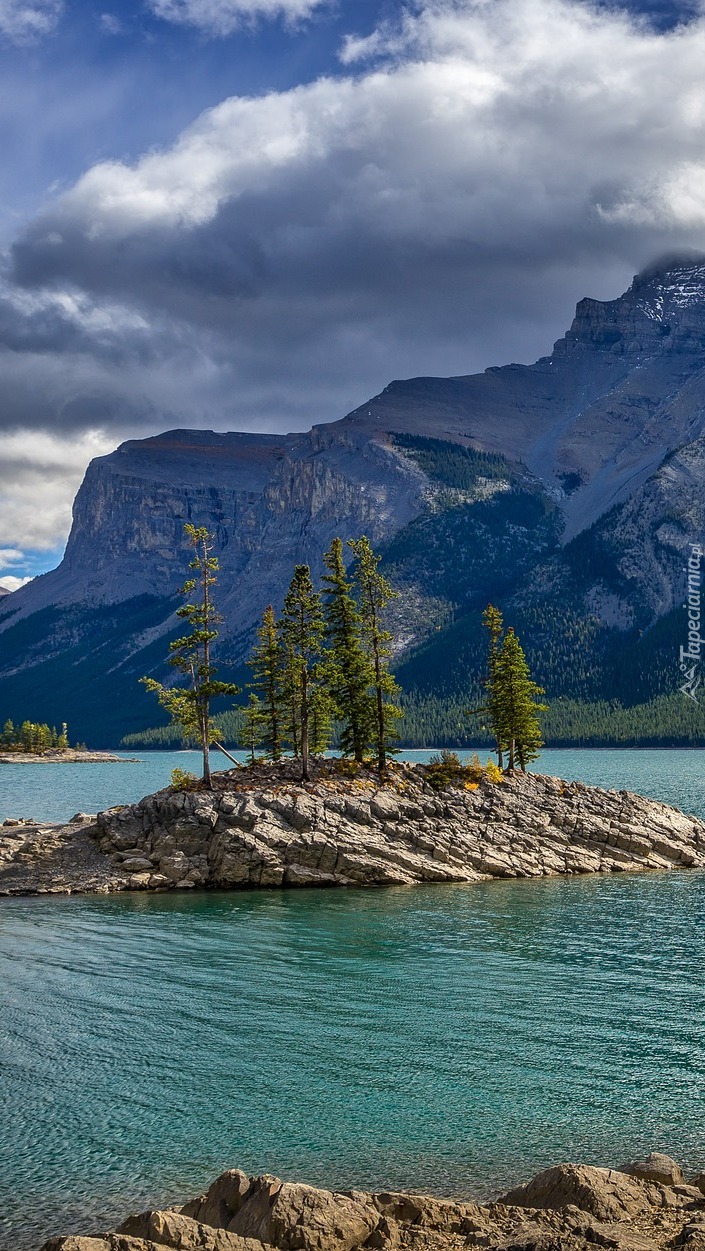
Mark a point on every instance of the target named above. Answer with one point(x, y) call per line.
point(598, 444)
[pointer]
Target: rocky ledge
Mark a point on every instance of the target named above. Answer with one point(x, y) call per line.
point(260, 827)
point(57, 755)
point(641, 1207)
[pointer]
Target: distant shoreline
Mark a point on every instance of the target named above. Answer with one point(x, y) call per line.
point(68, 756)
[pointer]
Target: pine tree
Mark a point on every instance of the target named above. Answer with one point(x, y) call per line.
point(349, 673)
point(492, 621)
point(189, 706)
point(518, 727)
point(267, 665)
point(323, 712)
point(8, 733)
point(301, 631)
point(254, 720)
point(375, 594)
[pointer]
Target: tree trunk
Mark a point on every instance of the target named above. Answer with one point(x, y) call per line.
point(205, 743)
point(205, 716)
point(226, 753)
point(304, 726)
point(381, 752)
point(510, 766)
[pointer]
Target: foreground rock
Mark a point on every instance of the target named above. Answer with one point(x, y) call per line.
point(570, 1206)
point(262, 828)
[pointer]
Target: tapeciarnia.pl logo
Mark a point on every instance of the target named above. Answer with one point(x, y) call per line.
point(690, 656)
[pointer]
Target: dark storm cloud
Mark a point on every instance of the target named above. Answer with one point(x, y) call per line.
point(440, 210)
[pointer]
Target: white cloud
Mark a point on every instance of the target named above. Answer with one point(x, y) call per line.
point(22, 23)
point(478, 119)
point(222, 17)
point(439, 209)
point(39, 476)
point(111, 24)
point(10, 583)
point(10, 556)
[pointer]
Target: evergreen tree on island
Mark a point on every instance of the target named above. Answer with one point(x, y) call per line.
point(375, 594)
point(189, 706)
point(349, 673)
point(515, 706)
point(267, 665)
point(301, 630)
point(494, 624)
point(253, 731)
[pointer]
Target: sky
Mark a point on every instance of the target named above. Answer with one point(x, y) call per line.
point(254, 214)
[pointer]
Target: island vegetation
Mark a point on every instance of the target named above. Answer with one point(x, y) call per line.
point(320, 672)
point(33, 738)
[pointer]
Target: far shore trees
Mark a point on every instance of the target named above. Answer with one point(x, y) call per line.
point(189, 706)
point(33, 737)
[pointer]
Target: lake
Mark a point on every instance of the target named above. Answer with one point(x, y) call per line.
point(446, 1038)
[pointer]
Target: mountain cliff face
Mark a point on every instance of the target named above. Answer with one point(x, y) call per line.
point(568, 490)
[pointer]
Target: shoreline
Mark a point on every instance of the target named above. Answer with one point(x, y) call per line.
point(261, 827)
point(70, 756)
point(643, 1205)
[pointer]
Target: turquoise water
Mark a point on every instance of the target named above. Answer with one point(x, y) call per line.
point(53, 792)
point(446, 1038)
point(450, 1038)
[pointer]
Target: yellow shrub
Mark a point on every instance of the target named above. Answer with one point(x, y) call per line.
point(493, 773)
point(181, 780)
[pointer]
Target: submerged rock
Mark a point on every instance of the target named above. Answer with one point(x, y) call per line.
point(571, 1207)
point(261, 827)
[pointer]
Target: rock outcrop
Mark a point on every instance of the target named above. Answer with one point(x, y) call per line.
point(571, 1207)
point(260, 827)
point(58, 755)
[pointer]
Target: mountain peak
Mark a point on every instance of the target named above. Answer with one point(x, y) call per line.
point(670, 270)
point(670, 286)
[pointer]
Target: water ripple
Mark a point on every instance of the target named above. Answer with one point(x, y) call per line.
point(453, 1038)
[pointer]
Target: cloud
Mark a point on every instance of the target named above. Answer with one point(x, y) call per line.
point(436, 208)
point(9, 556)
point(23, 23)
point(110, 23)
point(222, 17)
point(39, 476)
point(11, 583)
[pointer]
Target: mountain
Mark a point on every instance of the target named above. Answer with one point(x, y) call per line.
point(567, 491)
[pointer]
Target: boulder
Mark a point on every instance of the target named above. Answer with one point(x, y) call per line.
point(76, 1243)
point(605, 1193)
point(699, 1182)
point(302, 1218)
point(655, 1167)
point(173, 1229)
point(222, 1200)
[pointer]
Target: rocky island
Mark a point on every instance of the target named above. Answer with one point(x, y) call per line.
point(642, 1206)
point(62, 755)
point(262, 827)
